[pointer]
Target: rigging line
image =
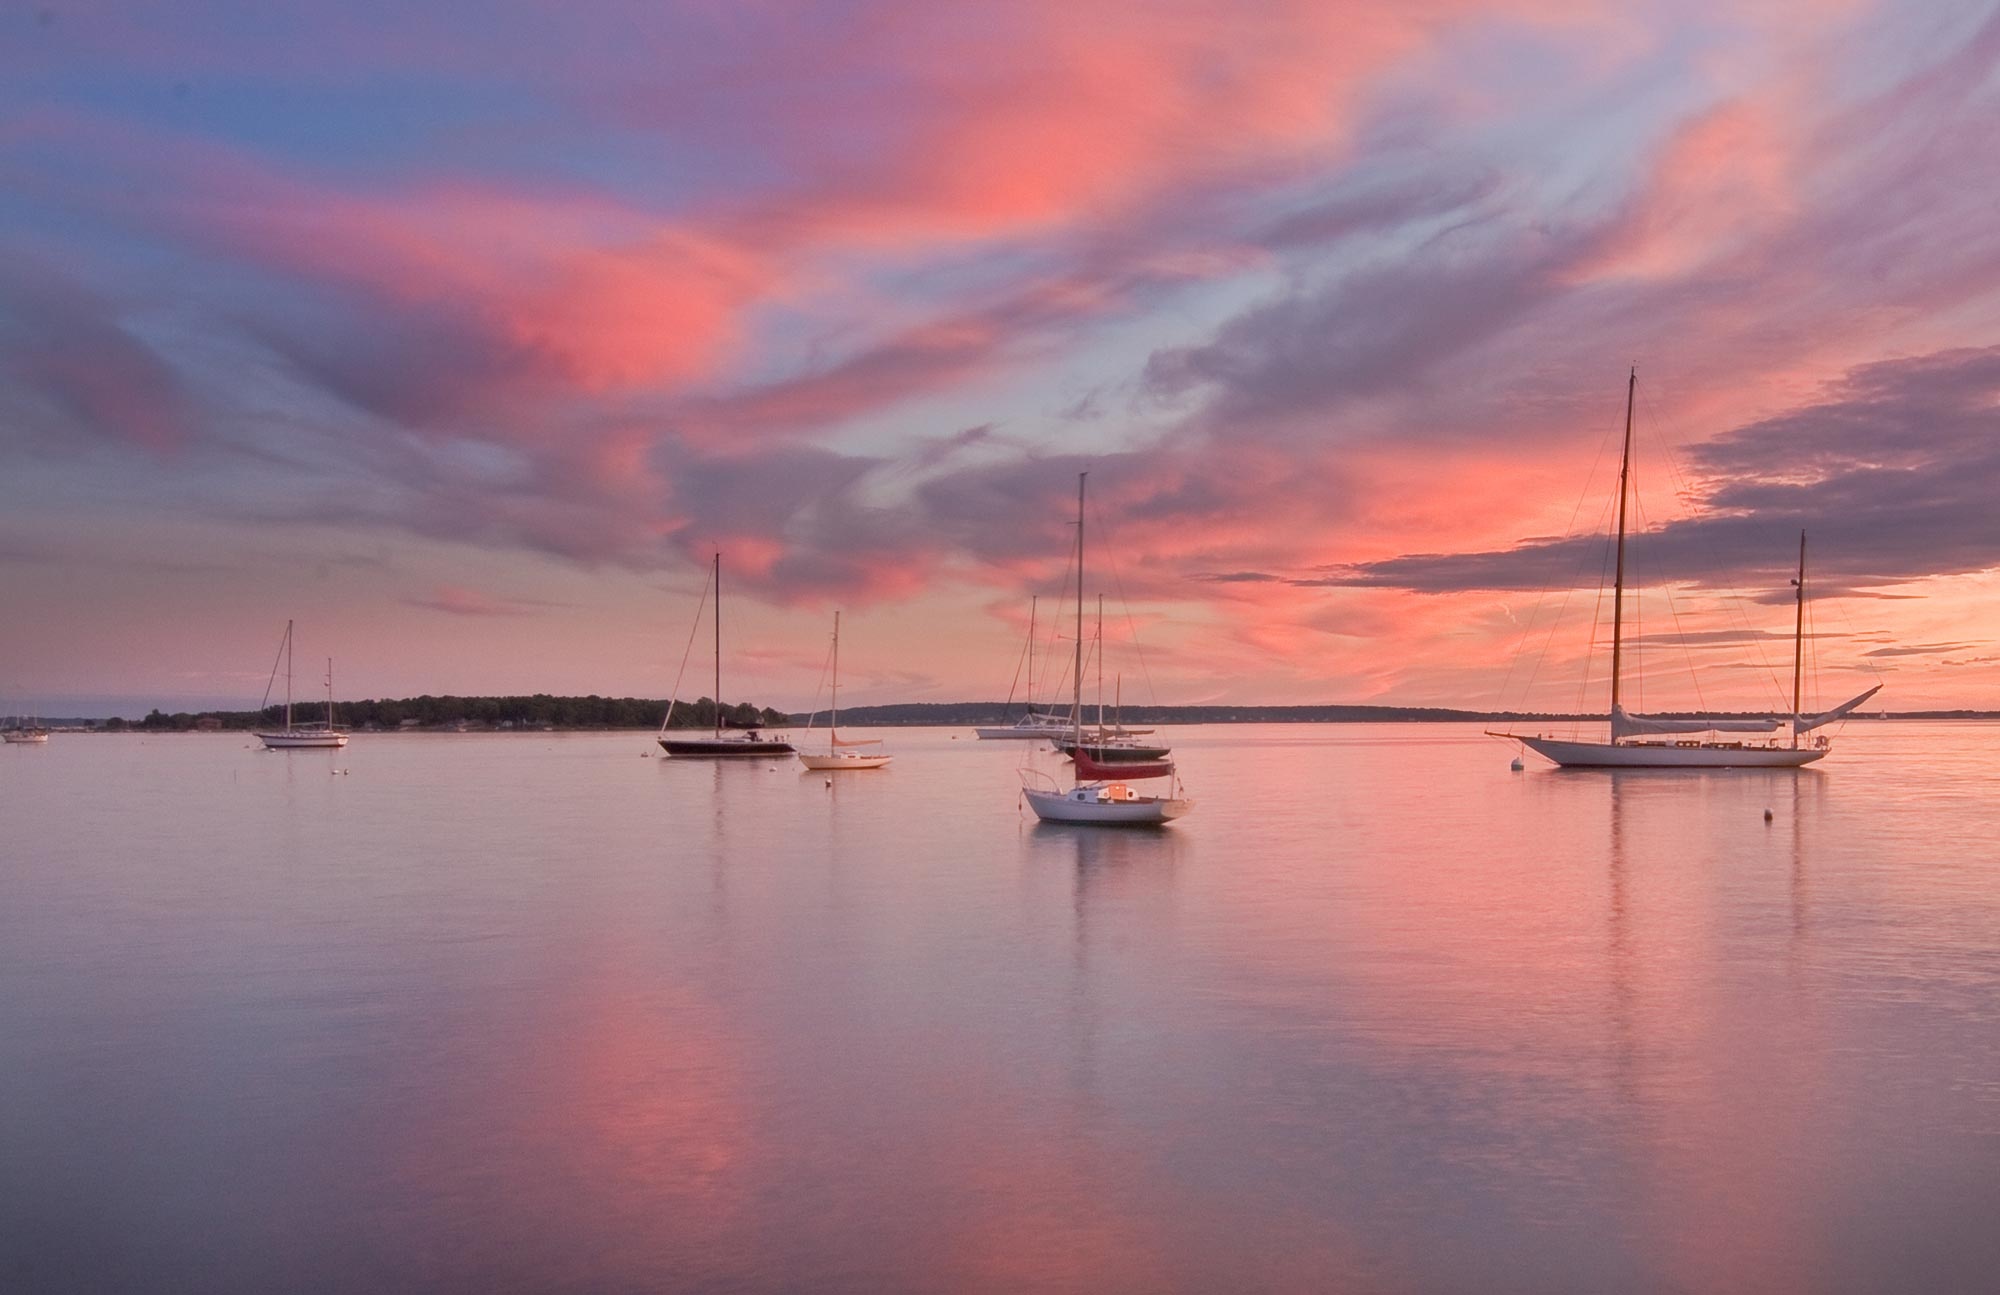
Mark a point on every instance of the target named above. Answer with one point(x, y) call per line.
point(1571, 585)
point(1604, 577)
point(1118, 584)
point(272, 682)
point(1853, 631)
point(1730, 598)
point(826, 664)
point(1066, 683)
point(694, 628)
point(1027, 646)
point(1634, 563)
point(1810, 648)
point(1541, 595)
point(1673, 613)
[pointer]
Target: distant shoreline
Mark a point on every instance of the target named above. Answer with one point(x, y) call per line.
point(921, 715)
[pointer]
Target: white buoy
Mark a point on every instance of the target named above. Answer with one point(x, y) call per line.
point(1517, 766)
point(829, 782)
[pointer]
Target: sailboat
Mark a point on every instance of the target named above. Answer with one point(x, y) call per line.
point(1036, 723)
point(1643, 742)
point(1109, 743)
point(293, 736)
point(747, 742)
point(842, 753)
point(1042, 723)
point(25, 731)
point(1102, 794)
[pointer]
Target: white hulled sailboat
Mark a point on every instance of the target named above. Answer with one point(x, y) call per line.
point(295, 736)
point(842, 753)
point(1644, 742)
point(1101, 794)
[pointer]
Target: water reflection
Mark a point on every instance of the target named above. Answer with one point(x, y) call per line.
point(1383, 1017)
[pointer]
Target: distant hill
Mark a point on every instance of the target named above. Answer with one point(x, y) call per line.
point(992, 712)
point(539, 711)
point(966, 713)
point(543, 711)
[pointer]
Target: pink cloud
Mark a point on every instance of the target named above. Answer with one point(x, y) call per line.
point(456, 600)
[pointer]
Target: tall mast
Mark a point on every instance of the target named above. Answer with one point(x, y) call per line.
point(1799, 641)
point(1033, 600)
point(1100, 667)
point(1076, 673)
point(718, 643)
point(288, 674)
point(329, 692)
point(833, 726)
point(1618, 594)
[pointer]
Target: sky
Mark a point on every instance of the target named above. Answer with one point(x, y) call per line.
point(464, 334)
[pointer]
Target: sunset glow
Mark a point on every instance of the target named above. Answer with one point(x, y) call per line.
point(466, 339)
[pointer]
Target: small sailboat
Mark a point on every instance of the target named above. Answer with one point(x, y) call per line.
point(1034, 724)
point(294, 736)
point(842, 753)
point(723, 745)
point(1037, 724)
point(1109, 743)
point(1102, 794)
point(25, 731)
point(1645, 742)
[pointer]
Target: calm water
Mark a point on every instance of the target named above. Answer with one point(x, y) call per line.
point(533, 1012)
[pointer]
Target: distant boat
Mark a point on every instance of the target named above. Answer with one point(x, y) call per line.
point(25, 733)
point(1109, 743)
point(1644, 742)
point(295, 736)
point(723, 745)
point(1038, 724)
point(1101, 795)
point(842, 753)
point(1034, 724)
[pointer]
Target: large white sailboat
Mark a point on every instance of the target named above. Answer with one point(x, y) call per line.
point(842, 753)
point(294, 736)
point(1101, 795)
point(1645, 742)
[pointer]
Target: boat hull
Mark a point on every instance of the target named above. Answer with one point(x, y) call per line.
point(1102, 805)
point(292, 741)
point(722, 748)
point(1114, 752)
point(1660, 755)
point(25, 739)
point(829, 763)
point(1023, 732)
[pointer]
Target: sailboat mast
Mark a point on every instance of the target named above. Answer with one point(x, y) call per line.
point(329, 692)
point(1100, 666)
point(1799, 641)
point(1033, 601)
point(718, 643)
point(1618, 592)
point(833, 725)
point(1076, 673)
point(288, 674)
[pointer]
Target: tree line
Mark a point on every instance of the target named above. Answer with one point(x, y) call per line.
point(538, 711)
